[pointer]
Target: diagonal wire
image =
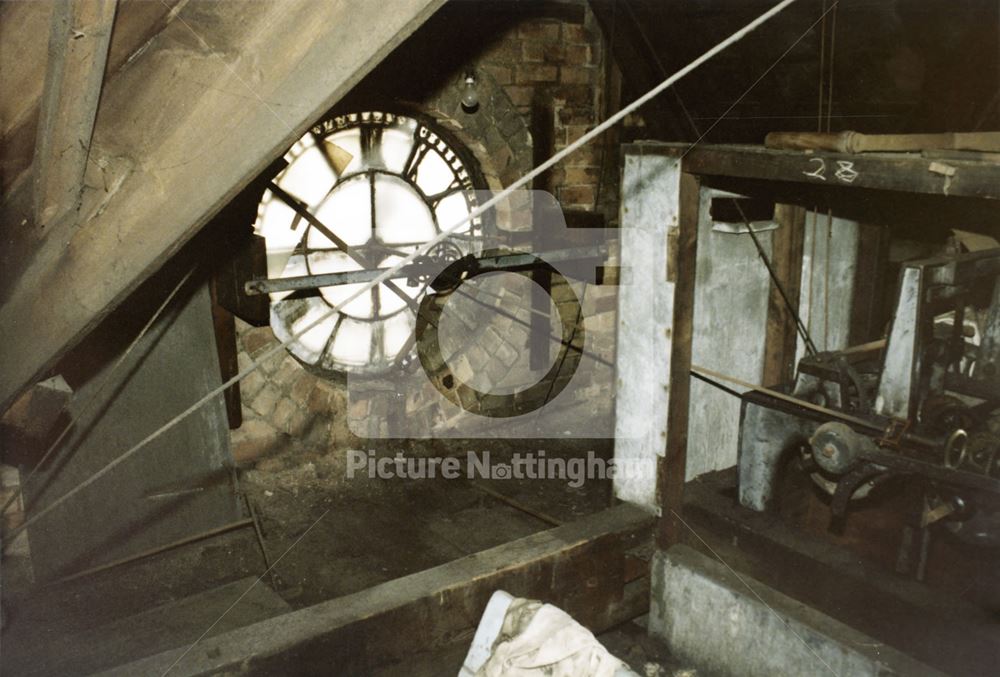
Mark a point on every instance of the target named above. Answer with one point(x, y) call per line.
point(430, 244)
point(93, 398)
point(651, 50)
point(799, 327)
point(229, 67)
point(552, 337)
point(761, 77)
point(754, 592)
point(245, 593)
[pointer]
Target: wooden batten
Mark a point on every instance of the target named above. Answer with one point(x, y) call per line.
point(78, 52)
point(221, 91)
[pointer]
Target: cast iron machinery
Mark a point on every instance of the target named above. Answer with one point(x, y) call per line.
point(922, 405)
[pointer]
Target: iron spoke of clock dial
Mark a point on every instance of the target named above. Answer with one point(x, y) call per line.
point(371, 196)
point(371, 137)
point(320, 144)
point(399, 252)
point(330, 339)
point(378, 328)
point(301, 209)
point(417, 154)
point(391, 286)
point(455, 187)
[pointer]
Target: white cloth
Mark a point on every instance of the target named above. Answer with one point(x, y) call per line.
point(539, 639)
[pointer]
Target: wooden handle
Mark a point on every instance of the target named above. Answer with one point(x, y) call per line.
point(841, 142)
point(853, 142)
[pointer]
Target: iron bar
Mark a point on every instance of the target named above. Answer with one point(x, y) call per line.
point(799, 326)
point(501, 262)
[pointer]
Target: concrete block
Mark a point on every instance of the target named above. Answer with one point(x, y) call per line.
point(734, 625)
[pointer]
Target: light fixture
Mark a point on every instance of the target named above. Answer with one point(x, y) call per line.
point(470, 96)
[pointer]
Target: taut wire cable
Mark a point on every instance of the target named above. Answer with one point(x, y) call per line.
point(420, 251)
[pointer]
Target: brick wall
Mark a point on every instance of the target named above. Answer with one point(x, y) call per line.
point(285, 407)
point(526, 65)
point(561, 64)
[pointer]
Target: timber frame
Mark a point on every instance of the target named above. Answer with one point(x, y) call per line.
point(420, 621)
point(209, 85)
point(940, 191)
point(860, 184)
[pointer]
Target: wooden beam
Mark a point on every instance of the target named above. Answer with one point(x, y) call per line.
point(78, 52)
point(227, 348)
point(786, 260)
point(212, 99)
point(902, 172)
point(580, 567)
point(651, 189)
point(23, 62)
point(682, 252)
point(23, 27)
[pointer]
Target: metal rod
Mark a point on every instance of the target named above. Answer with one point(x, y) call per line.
point(273, 285)
point(799, 327)
point(154, 551)
point(268, 567)
point(517, 505)
point(502, 262)
point(707, 375)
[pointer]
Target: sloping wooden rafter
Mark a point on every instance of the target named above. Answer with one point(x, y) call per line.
point(208, 102)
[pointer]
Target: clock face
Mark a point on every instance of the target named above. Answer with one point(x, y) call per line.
point(380, 185)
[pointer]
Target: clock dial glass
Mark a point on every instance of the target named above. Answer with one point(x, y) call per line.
point(377, 185)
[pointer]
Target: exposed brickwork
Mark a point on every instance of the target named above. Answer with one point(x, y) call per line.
point(563, 64)
point(283, 404)
point(532, 60)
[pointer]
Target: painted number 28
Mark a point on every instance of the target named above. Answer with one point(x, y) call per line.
point(845, 170)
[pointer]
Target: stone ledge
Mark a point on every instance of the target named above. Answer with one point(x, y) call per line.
point(734, 625)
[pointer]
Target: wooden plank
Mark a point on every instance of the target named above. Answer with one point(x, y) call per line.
point(216, 96)
point(23, 61)
point(682, 254)
point(868, 314)
point(649, 216)
point(578, 566)
point(903, 172)
point(786, 259)
point(228, 351)
point(180, 485)
point(159, 628)
point(78, 51)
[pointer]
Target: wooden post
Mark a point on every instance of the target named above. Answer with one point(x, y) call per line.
point(786, 260)
point(227, 348)
point(78, 52)
point(682, 251)
point(651, 180)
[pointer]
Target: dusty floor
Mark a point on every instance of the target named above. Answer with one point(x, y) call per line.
point(324, 535)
